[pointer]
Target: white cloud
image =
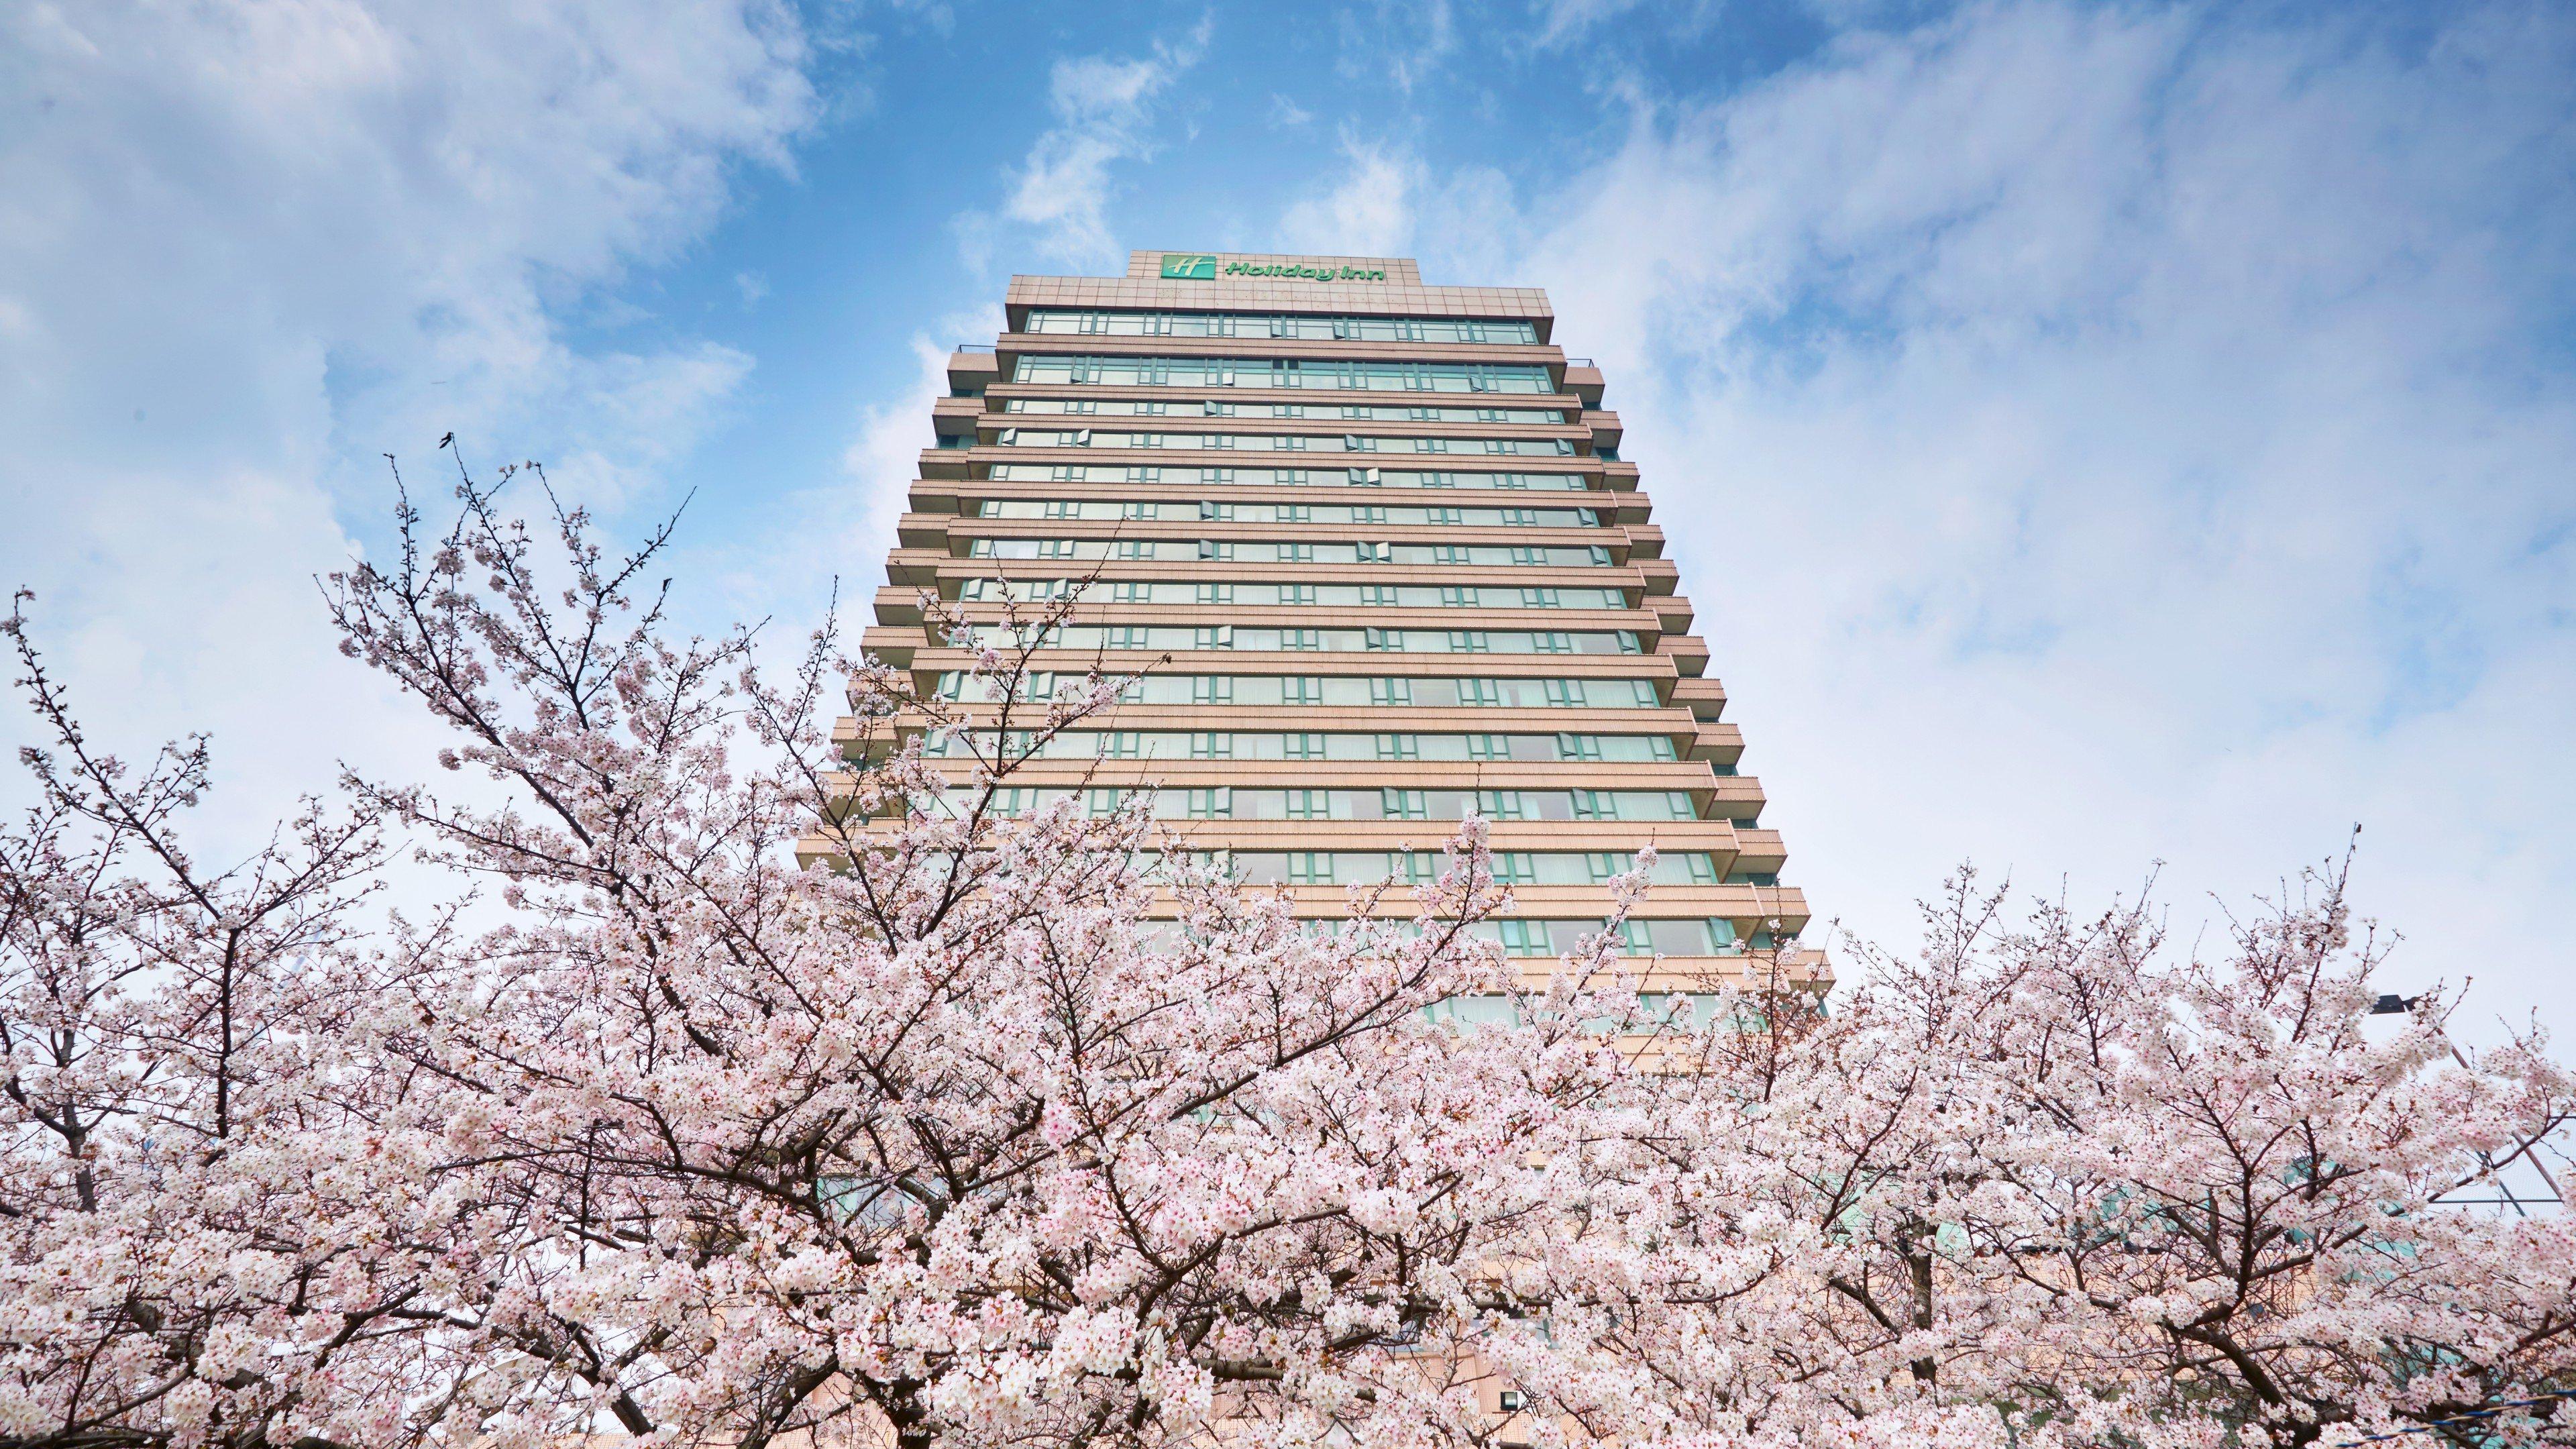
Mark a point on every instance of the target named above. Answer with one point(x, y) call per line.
point(834, 536)
point(885, 457)
point(1404, 40)
point(2097, 436)
point(1104, 114)
point(243, 251)
point(1369, 213)
point(1561, 22)
point(1287, 113)
point(1388, 197)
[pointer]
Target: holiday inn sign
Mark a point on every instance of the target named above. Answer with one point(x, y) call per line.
point(1204, 267)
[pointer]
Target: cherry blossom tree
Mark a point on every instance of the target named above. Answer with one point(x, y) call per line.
point(958, 1139)
point(197, 1227)
point(993, 1126)
point(2037, 1184)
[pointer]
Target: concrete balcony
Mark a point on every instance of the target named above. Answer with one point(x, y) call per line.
point(972, 369)
point(925, 568)
point(1704, 697)
point(1760, 851)
point(1721, 744)
point(1355, 664)
point(1098, 607)
point(956, 417)
point(1324, 349)
point(1689, 653)
point(963, 495)
point(957, 529)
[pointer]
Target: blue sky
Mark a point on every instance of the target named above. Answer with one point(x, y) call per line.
point(2095, 435)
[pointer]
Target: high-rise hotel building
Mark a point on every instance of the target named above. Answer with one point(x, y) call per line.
point(1384, 535)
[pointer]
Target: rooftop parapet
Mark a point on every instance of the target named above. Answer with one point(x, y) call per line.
point(1172, 281)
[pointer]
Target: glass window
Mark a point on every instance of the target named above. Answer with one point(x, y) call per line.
point(1474, 1011)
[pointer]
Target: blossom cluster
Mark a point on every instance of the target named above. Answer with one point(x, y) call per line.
point(748, 1089)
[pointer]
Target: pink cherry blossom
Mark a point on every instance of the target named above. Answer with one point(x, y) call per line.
point(754, 1086)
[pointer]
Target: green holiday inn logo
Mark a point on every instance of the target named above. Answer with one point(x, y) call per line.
point(1202, 267)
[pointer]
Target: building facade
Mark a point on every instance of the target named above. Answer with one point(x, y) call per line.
point(1374, 545)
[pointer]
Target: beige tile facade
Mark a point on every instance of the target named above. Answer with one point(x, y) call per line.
point(1374, 545)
